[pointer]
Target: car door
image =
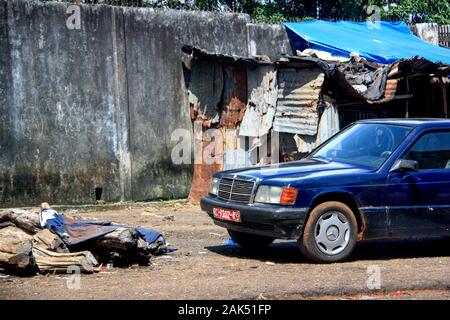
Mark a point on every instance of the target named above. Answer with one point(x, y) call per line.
point(419, 201)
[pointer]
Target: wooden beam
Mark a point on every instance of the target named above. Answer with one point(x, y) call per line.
point(407, 101)
point(444, 97)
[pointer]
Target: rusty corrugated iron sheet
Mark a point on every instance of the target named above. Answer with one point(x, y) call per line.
point(217, 91)
point(414, 67)
point(221, 85)
point(391, 88)
point(234, 96)
point(229, 152)
point(201, 181)
point(200, 54)
point(217, 86)
point(328, 126)
point(207, 161)
point(262, 92)
point(205, 90)
point(298, 96)
point(235, 154)
point(417, 67)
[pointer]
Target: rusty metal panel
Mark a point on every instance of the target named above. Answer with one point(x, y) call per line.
point(295, 146)
point(305, 144)
point(231, 140)
point(328, 123)
point(298, 95)
point(417, 67)
point(328, 126)
point(235, 155)
point(203, 168)
point(262, 92)
point(234, 95)
point(204, 91)
point(391, 88)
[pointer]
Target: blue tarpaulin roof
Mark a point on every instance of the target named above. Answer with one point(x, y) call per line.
point(381, 41)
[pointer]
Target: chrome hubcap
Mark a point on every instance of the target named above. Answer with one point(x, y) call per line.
point(332, 233)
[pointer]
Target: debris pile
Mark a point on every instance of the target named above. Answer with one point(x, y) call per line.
point(366, 77)
point(47, 241)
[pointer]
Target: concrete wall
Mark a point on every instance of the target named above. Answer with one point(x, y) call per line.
point(426, 31)
point(95, 107)
point(157, 94)
point(59, 134)
point(268, 39)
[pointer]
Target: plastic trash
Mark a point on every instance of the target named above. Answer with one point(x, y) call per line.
point(230, 243)
point(169, 250)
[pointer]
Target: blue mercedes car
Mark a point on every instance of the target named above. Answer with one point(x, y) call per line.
point(384, 178)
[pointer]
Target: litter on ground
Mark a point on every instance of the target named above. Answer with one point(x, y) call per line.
point(50, 242)
point(230, 243)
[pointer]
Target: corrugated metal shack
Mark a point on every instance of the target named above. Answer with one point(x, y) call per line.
point(264, 112)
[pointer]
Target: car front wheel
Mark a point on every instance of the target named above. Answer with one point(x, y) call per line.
point(330, 233)
point(250, 241)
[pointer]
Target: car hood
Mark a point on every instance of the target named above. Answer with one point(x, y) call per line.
point(289, 172)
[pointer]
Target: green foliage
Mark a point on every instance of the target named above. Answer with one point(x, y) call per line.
point(349, 10)
point(415, 11)
point(268, 14)
point(412, 11)
point(276, 11)
point(207, 4)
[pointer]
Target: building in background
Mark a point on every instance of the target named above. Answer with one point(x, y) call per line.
point(275, 111)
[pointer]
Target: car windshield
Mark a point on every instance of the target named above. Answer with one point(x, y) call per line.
point(366, 144)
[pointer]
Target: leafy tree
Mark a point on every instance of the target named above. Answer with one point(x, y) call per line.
point(275, 11)
point(344, 10)
point(268, 14)
point(415, 11)
point(207, 4)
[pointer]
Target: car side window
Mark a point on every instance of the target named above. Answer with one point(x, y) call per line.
point(431, 151)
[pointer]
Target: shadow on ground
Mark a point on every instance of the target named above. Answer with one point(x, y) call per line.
point(288, 252)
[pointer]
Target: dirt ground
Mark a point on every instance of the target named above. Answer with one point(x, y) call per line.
point(203, 267)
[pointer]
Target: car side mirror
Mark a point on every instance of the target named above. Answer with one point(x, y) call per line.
point(403, 165)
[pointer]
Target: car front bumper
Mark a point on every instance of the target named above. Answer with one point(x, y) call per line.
point(262, 219)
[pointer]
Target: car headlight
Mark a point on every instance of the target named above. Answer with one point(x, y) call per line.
point(214, 189)
point(268, 194)
point(276, 195)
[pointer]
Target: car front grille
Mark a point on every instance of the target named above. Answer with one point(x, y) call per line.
point(235, 190)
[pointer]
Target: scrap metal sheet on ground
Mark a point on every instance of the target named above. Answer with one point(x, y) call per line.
point(74, 231)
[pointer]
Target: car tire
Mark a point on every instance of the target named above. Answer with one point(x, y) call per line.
point(250, 241)
point(330, 233)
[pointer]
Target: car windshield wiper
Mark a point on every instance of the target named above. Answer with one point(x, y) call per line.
point(321, 158)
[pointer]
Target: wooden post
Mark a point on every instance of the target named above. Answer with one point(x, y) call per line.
point(444, 97)
point(407, 100)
